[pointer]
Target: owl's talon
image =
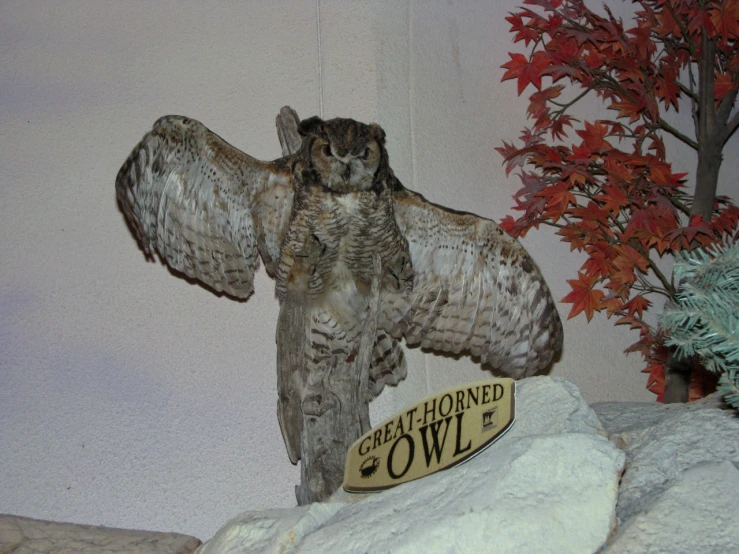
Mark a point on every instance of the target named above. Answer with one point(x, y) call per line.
point(402, 273)
point(312, 250)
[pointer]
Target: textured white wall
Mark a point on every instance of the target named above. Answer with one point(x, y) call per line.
point(131, 398)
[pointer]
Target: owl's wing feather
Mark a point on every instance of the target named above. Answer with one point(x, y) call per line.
point(388, 365)
point(475, 291)
point(206, 207)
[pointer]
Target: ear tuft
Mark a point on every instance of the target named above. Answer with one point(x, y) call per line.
point(378, 133)
point(311, 126)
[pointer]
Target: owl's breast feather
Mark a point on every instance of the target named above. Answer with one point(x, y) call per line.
point(349, 202)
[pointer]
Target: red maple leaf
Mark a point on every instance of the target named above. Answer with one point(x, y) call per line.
point(645, 344)
point(539, 100)
point(665, 85)
point(580, 35)
point(525, 70)
point(696, 226)
point(624, 277)
point(723, 84)
point(594, 58)
point(633, 322)
point(600, 260)
point(557, 127)
point(637, 305)
point(584, 298)
point(697, 20)
point(522, 31)
point(662, 174)
point(656, 380)
point(725, 19)
point(666, 24)
point(513, 157)
point(613, 198)
point(592, 212)
point(727, 220)
point(580, 155)
point(507, 224)
point(657, 145)
point(641, 40)
point(612, 303)
point(630, 258)
point(575, 236)
point(627, 108)
point(594, 136)
point(558, 198)
point(641, 225)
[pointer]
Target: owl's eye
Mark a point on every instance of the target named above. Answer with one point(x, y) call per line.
point(327, 150)
point(366, 154)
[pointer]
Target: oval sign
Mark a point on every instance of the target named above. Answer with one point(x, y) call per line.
point(439, 432)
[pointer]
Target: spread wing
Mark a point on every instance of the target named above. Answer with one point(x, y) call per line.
point(204, 206)
point(476, 291)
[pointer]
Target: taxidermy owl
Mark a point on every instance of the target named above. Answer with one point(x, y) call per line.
point(450, 282)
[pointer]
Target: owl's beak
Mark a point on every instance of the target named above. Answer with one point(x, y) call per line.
point(347, 172)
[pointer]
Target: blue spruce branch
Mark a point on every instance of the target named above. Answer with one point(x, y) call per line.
point(702, 321)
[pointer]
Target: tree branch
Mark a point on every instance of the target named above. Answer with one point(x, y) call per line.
point(670, 290)
point(695, 99)
point(677, 134)
point(724, 110)
point(679, 205)
point(564, 106)
point(731, 128)
point(688, 91)
point(683, 31)
point(727, 103)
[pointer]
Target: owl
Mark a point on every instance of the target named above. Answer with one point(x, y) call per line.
point(450, 282)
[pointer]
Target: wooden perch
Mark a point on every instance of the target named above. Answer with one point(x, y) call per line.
point(287, 130)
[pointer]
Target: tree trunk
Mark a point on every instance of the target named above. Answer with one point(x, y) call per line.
point(677, 378)
point(323, 412)
point(706, 181)
point(709, 131)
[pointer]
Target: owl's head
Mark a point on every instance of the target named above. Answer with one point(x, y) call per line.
point(346, 155)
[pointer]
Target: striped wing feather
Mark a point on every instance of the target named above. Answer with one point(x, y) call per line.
point(476, 291)
point(206, 207)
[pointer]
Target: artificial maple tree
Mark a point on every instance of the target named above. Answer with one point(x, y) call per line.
point(607, 185)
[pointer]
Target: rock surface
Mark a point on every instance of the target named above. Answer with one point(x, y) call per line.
point(21, 535)
point(698, 513)
point(678, 493)
point(548, 485)
point(661, 441)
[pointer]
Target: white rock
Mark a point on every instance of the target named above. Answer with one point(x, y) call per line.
point(548, 405)
point(662, 441)
point(269, 530)
point(548, 485)
point(552, 493)
point(698, 513)
point(26, 535)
